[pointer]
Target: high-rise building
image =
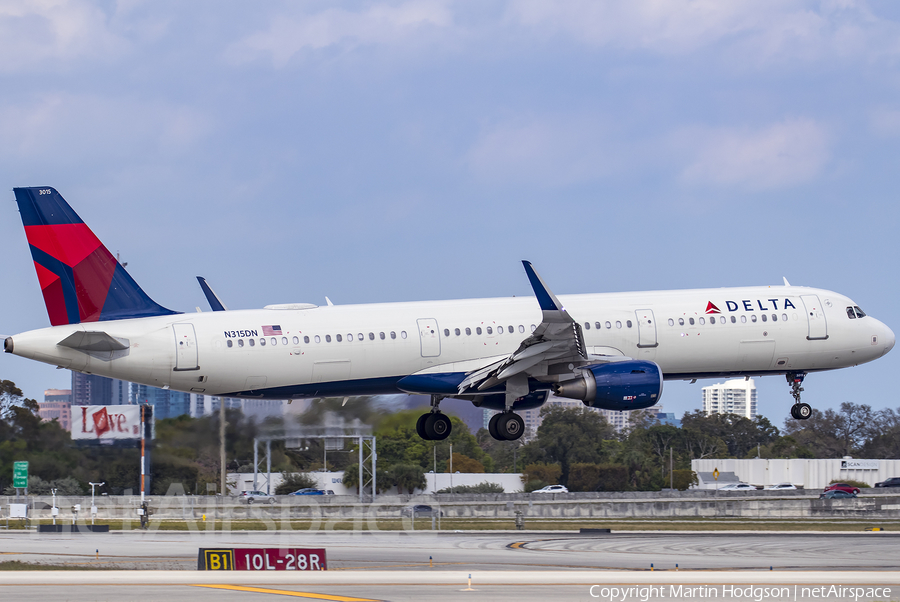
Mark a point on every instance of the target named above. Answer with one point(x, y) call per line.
point(57, 405)
point(91, 390)
point(737, 396)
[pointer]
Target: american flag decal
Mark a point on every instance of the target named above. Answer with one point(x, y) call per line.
point(271, 331)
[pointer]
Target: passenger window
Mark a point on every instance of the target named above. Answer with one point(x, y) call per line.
point(681, 321)
point(275, 341)
point(587, 325)
point(296, 341)
point(228, 343)
point(402, 334)
point(371, 336)
point(733, 320)
point(533, 328)
point(608, 325)
point(360, 337)
point(702, 320)
point(393, 335)
point(478, 330)
point(446, 332)
point(316, 339)
point(753, 318)
point(381, 335)
point(240, 342)
point(628, 323)
point(456, 331)
point(597, 325)
point(349, 336)
point(671, 322)
point(743, 319)
point(784, 317)
point(774, 317)
point(509, 329)
point(284, 340)
point(338, 338)
point(764, 317)
point(521, 328)
point(468, 331)
point(251, 342)
point(306, 340)
point(489, 331)
point(262, 342)
point(618, 324)
point(327, 338)
point(712, 320)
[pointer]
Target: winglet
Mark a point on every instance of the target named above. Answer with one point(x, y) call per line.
point(546, 299)
point(786, 283)
point(214, 303)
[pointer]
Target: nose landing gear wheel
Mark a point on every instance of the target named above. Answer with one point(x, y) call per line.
point(801, 411)
point(437, 426)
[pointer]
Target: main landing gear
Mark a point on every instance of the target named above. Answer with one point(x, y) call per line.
point(507, 426)
point(434, 426)
point(800, 410)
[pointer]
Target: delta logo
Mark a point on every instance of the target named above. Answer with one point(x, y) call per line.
point(748, 305)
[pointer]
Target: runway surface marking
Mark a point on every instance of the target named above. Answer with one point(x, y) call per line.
point(285, 592)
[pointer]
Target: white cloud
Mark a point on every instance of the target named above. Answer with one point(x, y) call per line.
point(72, 128)
point(545, 151)
point(779, 155)
point(380, 24)
point(54, 32)
point(753, 31)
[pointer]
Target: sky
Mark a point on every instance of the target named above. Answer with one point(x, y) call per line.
point(399, 151)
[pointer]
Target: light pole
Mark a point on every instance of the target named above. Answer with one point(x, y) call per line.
point(54, 510)
point(93, 507)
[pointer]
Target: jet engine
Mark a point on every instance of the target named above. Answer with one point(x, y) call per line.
point(628, 385)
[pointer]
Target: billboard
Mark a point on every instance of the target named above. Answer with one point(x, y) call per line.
point(106, 423)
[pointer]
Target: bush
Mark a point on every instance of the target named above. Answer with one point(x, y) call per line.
point(683, 479)
point(613, 477)
point(533, 485)
point(548, 473)
point(479, 488)
point(294, 481)
point(850, 482)
point(584, 477)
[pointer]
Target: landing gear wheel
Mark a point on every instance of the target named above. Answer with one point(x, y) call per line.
point(420, 426)
point(437, 426)
point(510, 426)
point(492, 427)
point(804, 411)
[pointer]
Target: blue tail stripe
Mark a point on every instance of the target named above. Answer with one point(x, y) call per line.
point(126, 299)
point(66, 277)
point(43, 206)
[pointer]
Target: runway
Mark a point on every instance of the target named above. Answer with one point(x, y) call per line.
point(396, 566)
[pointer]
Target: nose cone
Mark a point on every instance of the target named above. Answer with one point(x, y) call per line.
point(887, 337)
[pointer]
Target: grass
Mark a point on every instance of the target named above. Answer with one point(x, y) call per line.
point(16, 565)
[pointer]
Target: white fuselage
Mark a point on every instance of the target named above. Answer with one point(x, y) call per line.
point(366, 349)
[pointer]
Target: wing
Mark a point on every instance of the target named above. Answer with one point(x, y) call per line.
point(557, 340)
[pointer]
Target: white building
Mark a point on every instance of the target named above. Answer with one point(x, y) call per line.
point(801, 472)
point(736, 396)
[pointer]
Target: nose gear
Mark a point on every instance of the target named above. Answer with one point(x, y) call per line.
point(800, 410)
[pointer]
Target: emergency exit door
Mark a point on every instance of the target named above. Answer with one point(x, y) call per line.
point(185, 347)
point(429, 337)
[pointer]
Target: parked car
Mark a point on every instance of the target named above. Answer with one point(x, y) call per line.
point(552, 489)
point(252, 497)
point(891, 482)
point(309, 491)
point(780, 486)
point(836, 494)
point(737, 487)
point(842, 487)
point(420, 510)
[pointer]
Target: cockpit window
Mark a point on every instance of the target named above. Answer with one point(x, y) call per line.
point(859, 313)
point(851, 314)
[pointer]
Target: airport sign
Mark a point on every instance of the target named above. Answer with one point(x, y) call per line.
point(261, 559)
point(20, 475)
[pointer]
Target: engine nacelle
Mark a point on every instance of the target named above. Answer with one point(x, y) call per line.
point(629, 385)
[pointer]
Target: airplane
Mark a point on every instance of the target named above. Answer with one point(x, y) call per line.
point(610, 350)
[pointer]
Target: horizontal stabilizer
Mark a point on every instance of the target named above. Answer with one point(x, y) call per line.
point(93, 341)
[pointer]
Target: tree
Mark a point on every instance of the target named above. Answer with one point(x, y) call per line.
point(831, 434)
point(569, 435)
point(740, 434)
point(463, 463)
point(292, 481)
point(407, 477)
